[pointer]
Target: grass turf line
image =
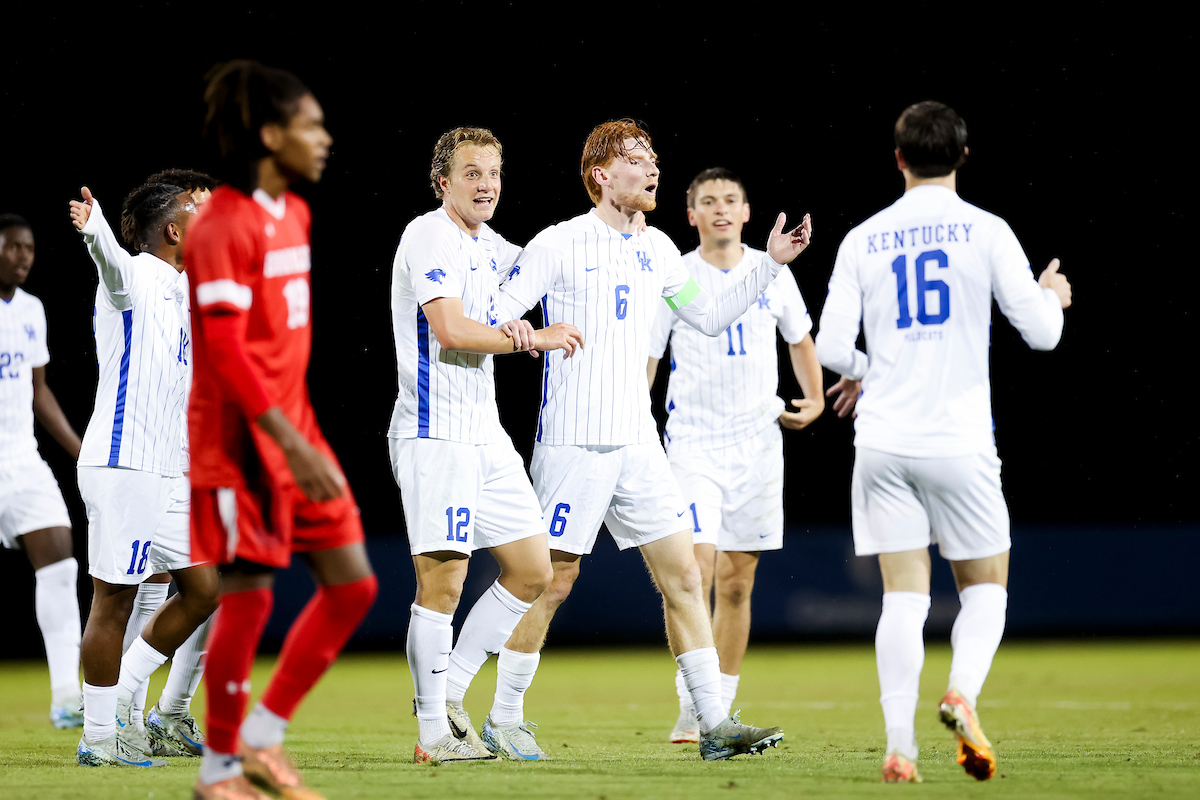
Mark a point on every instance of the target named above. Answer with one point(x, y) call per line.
point(1111, 719)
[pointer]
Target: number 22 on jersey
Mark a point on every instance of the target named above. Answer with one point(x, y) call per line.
point(924, 287)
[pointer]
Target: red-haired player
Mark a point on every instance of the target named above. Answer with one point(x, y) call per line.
point(265, 483)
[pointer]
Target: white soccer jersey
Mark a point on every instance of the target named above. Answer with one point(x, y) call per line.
point(722, 390)
point(22, 347)
point(445, 394)
point(143, 346)
point(921, 275)
point(609, 285)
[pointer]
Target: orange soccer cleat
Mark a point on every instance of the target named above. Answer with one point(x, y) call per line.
point(898, 769)
point(975, 752)
point(237, 788)
point(270, 768)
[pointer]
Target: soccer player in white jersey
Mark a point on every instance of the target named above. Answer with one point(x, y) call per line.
point(920, 276)
point(723, 436)
point(33, 516)
point(462, 483)
point(132, 464)
point(597, 457)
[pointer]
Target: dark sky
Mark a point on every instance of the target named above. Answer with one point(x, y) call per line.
point(1076, 139)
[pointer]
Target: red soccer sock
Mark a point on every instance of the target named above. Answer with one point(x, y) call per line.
point(232, 644)
point(316, 638)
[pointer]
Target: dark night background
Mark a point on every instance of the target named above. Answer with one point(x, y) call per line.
point(1076, 136)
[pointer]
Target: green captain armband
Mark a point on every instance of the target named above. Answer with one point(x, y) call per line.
point(685, 296)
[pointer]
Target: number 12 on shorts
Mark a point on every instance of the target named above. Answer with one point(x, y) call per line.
point(133, 559)
point(457, 531)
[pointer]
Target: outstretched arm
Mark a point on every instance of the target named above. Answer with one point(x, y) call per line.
point(48, 412)
point(113, 264)
point(712, 315)
point(808, 374)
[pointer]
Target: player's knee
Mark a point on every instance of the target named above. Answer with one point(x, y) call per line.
point(735, 591)
point(685, 583)
point(562, 580)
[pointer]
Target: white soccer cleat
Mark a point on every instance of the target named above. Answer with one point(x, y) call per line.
point(732, 737)
point(514, 741)
point(687, 727)
point(449, 750)
point(68, 714)
point(174, 734)
point(463, 730)
point(114, 751)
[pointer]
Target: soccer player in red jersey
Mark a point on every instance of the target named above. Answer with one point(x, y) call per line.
point(265, 483)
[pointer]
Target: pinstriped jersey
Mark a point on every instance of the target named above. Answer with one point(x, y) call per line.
point(722, 390)
point(445, 394)
point(22, 347)
point(609, 285)
point(143, 347)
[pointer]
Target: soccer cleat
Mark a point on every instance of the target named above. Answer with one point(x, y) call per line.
point(461, 727)
point(975, 752)
point(177, 733)
point(113, 751)
point(68, 714)
point(131, 732)
point(237, 788)
point(514, 740)
point(449, 750)
point(272, 770)
point(687, 727)
point(898, 769)
point(732, 737)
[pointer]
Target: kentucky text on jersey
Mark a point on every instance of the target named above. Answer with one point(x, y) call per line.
point(930, 234)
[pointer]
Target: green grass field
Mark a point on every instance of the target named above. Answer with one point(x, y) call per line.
point(1113, 719)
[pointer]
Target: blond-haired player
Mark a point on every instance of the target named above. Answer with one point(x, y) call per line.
point(920, 277)
point(723, 435)
point(598, 458)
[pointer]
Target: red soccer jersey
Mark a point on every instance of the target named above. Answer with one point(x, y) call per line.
point(249, 261)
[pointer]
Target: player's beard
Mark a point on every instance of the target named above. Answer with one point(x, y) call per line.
point(638, 201)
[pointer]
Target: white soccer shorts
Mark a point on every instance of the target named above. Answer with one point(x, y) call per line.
point(463, 497)
point(138, 523)
point(734, 494)
point(629, 488)
point(902, 503)
point(30, 500)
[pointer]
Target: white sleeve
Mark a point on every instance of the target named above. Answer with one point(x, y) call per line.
point(711, 315)
point(660, 332)
point(433, 264)
point(113, 263)
point(506, 256)
point(41, 353)
point(792, 318)
point(840, 319)
point(1035, 312)
point(529, 279)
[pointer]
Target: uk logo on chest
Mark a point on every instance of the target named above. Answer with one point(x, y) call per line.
point(31, 332)
point(644, 260)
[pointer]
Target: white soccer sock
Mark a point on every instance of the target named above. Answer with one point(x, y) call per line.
point(701, 672)
point(149, 598)
point(99, 711)
point(216, 766)
point(899, 657)
point(729, 684)
point(187, 668)
point(56, 604)
point(681, 691)
point(975, 637)
point(487, 628)
point(137, 706)
point(137, 665)
point(428, 649)
point(264, 728)
point(514, 674)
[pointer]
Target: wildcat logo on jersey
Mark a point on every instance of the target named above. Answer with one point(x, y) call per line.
point(30, 332)
point(491, 315)
point(493, 265)
point(435, 275)
point(514, 272)
point(645, 261)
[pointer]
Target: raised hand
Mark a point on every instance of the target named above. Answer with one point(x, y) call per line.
point(1051, 278)
point(81, 211)
point(808, 413)
point(784, 247)
point(847, 392)
point(521, 332)
point(560, 336)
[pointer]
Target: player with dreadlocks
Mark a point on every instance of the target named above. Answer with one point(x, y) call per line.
point(265, 483)
point(132, 477)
